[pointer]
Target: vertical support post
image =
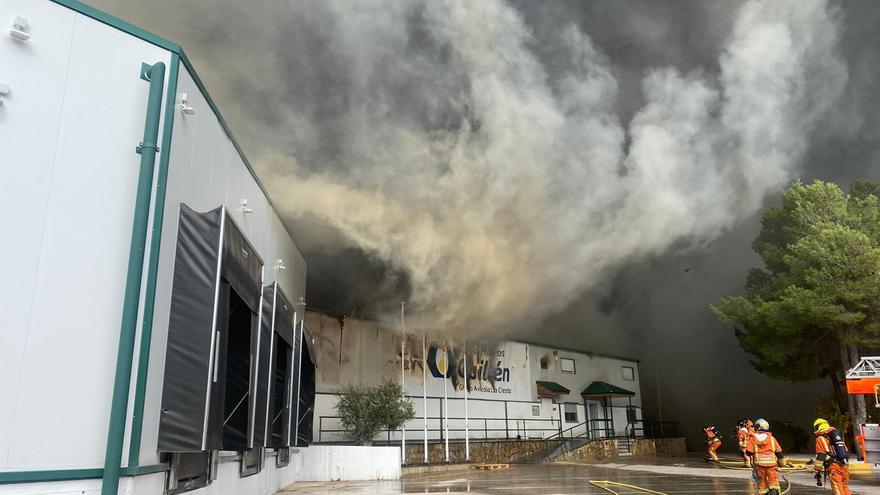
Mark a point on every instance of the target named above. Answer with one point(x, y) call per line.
point(295, 432)
point(611, 416)
point(133, 278)
point(446, 401)
point(631, 421)
point(559, 407)
point(425, 389)
point(402, 380)
point(291, 430)
point(467, 431)
point(588, 419)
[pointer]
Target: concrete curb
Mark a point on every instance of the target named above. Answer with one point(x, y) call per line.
point(433, 468)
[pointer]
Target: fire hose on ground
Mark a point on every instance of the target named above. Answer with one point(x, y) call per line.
point(790, 467)
point(606, 485)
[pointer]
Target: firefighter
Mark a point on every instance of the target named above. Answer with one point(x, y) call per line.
point(744, 430)
point(767, 456)
point(831, 457)
point(713, 442)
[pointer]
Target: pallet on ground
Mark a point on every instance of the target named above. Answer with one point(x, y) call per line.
point(489, 467)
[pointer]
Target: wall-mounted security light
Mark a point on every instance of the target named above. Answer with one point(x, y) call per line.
point(4, 91)
point(184, 105)
point(279, 265)
point(244, 206)
point(19, 29)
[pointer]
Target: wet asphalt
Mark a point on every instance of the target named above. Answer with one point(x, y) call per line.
point(672, 476)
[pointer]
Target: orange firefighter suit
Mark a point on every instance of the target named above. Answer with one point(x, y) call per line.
point(833, 458)
point(743, 433)
point(766, 454)
point(713, 442)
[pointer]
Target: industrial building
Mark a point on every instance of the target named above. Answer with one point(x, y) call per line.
point(151, 335)
point(516, 390)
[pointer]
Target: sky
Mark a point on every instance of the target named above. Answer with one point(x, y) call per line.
point(586, 173)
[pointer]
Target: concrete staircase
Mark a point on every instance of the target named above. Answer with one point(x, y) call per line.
point(624, 447)
point(567, 446)
point(547, 455)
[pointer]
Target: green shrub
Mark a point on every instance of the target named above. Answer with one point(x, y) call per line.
point(365, 411)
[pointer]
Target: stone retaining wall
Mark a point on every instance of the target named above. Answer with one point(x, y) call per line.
point(593, 451)
point(481, 452)
point(603, 449)
point(516, 451)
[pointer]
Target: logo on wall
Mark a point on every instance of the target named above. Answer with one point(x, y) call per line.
point(438, 362)
point(482, 376)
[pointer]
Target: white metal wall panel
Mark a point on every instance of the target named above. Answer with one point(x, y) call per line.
point(36, 73)
point(206, 171)
point(209, 164)
point(242, 186)
point(292, 279)
point(67, 369)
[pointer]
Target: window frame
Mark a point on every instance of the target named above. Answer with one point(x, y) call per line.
point(632, 373)
point(565, 412)
point(573, 366)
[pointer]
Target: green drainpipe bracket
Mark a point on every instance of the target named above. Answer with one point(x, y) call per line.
point(133, 279)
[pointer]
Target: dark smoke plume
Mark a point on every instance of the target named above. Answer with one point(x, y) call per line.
point(592, 169)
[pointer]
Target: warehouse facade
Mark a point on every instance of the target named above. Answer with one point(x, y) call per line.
point(516, 390)
point(152, 335)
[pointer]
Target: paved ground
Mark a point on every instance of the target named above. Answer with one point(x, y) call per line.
point(671, 476)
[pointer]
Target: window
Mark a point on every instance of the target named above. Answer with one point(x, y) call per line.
point(536, 410)
point(629, 374)
point(571, 413)
point(544, 363)
point(566, 365)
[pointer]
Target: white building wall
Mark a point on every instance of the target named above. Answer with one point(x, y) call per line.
point(206, 171)
point(68, 173)
point(588, 368)
point(366, 359)
point(319, 463)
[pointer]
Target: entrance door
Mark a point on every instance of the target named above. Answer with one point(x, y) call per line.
point(594, 417)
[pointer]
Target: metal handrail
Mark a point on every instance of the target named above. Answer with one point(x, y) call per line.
point(652, 429)
point(589, 429)
point(521, 426)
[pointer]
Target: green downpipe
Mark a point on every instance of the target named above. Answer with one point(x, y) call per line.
point(122, 380)
point(140, 390)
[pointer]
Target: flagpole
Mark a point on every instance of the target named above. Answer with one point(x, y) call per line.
point(467, 442)
point(402, 377)
point(425, 388)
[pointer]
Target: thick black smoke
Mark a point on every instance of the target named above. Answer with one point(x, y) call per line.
point(589, 169)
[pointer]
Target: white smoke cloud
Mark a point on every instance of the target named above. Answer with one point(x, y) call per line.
point(507, 213)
